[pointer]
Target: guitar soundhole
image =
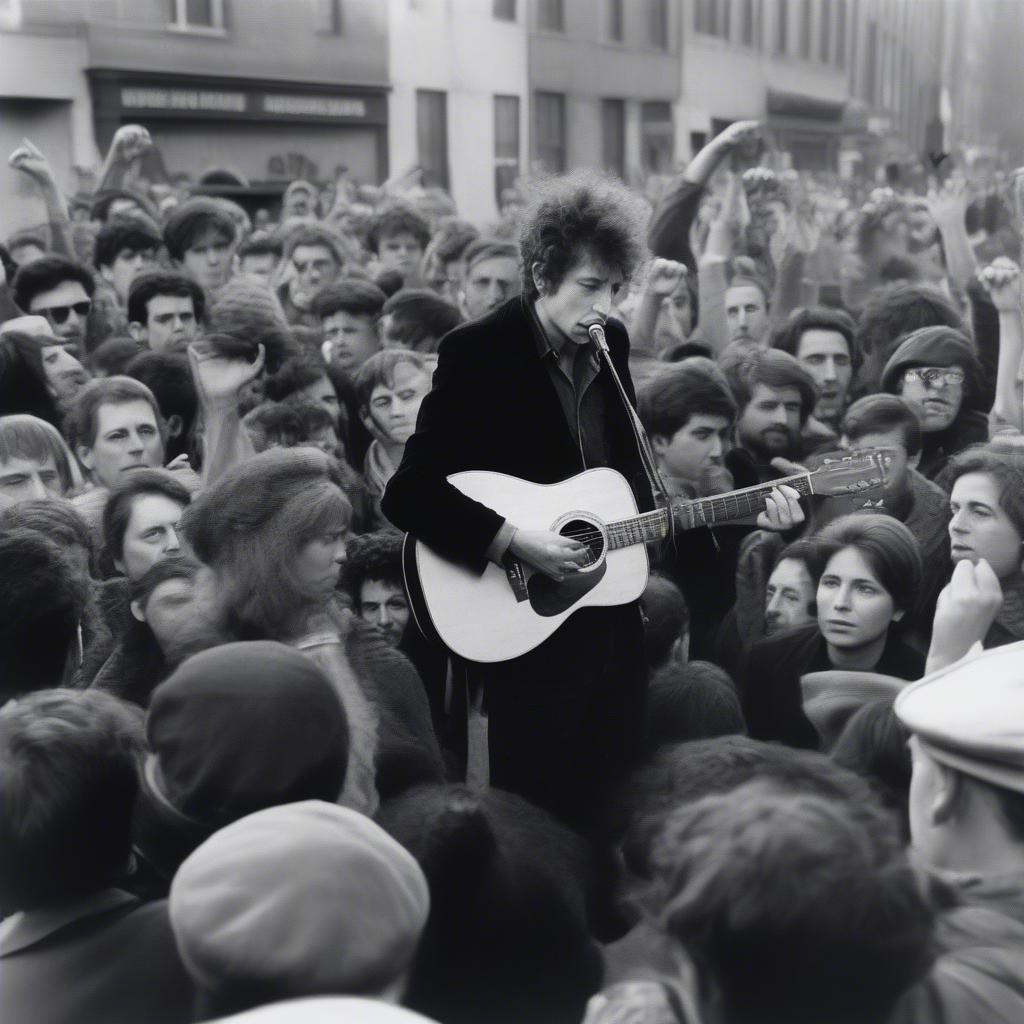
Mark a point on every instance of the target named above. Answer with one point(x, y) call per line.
point(588, 535)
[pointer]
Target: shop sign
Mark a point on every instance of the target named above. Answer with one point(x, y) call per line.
point(315, 106)
point(182, 99)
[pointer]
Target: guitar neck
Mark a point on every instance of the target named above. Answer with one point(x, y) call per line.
point(720, 508)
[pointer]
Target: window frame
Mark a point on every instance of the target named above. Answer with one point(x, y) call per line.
point(180, 24)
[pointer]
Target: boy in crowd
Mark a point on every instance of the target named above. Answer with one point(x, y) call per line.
point(201, 235)
point(124, 249)
point(165, 310)
point(398, 237)
point(349, 312)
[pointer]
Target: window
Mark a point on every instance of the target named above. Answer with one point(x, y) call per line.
point(712, 17)
point(656, 137)
point(505, 10)
point(841, 33)
point(805, 29)
point(613, 134)
point(327, 17)
point(551, 15)
point(189, 15)
point(432, 135)
point(506, 143)
point(657, 23)
point(825, 33)
point(549, 130)
point(782, 27)
point(613, 21)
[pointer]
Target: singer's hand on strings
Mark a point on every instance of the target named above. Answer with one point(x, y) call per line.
point(550, 553)
point(782, 510)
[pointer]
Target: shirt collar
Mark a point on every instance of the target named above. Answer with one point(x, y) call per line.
point(545, 349)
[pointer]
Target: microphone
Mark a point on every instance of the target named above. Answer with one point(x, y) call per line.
point(596, 332)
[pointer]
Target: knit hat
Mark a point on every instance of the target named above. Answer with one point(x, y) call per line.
point(930, 346)
point(195, 215)
point(242, 727)
point(832, 698)
point(304, 899)
point(327, 1010)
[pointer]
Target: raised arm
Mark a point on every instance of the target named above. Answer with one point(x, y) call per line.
point(948, 207)
point(31, 162)
point(1002, 280)
point(129, 143)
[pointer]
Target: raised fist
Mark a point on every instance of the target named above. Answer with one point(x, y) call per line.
point(1001, 279)
point(664, 276)
point(28, 159)
point(130, 142)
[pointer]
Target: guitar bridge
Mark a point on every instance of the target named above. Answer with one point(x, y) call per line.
point(517, 579)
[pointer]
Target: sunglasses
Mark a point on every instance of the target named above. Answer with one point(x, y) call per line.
point(934, 375)
point(60, 314)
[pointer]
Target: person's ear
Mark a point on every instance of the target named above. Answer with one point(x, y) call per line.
point(659, 442)
point(175, 425)
point(537, 272)
point(85, 457)
point(137, 612)
point(139, 332)
point(898, 614)
point(945, 797)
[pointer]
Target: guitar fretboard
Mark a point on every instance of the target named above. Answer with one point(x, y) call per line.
point(653, 526)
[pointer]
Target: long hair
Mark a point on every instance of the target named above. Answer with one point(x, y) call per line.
point(28, 437)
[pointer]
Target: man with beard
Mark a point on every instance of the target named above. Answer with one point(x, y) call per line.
point(776, 396)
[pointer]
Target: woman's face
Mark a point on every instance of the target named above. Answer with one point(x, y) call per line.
point(319, 560)
point(854, 609)
point(980, 528)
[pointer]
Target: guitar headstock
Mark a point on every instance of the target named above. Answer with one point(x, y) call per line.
point(850, 471)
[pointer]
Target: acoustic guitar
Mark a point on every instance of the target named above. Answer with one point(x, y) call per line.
point(504, 612)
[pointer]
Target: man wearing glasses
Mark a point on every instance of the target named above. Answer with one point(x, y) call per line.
point(60, 290)
point(935, 368)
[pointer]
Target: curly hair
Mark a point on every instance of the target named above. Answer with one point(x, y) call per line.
point(1005, 464)
point(397, 219)
point(787, 336)
point(577, 215)
point(744, 370)
point(373, 556)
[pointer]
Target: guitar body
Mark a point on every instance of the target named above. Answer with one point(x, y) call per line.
point(485, 617)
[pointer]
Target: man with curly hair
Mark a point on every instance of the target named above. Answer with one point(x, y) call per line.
point(522, 391)
point(373, 579)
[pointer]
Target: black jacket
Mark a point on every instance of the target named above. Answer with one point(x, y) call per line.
point(493, 407)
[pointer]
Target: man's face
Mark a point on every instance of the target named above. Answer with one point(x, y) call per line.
point(938, 392)
point(65, 307)
point(64, 373)
point(170, 612)
point(770, 424)
point(352, 339)
point(127, 265)
point(489, 284)
point(696, 449)
point(789, 597)
point(392, 410)
point(208, 260)
point(152, 534)
point(383, 604)
point(980, 528)
point(170, 323)
point(127, 438)
point(826, 356)
point(746, 314)
point(259, 266)
point(322, 392)
point(315, 266)
point(401, 252)
point(586, 293)
point(898, 474)
point(298, 204)
point(23, 479)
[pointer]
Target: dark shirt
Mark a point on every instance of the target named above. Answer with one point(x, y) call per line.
point(583, 405)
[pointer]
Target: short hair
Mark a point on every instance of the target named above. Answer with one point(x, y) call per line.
point(315, 234)
point(373, 556)
point(489, 249)
point(787, 337)
point(169, 377)
point(882, 412)
point(40, 616)
point(743, 273)
point(112, 355)
point(28, 437)
point(396, 219)
point(149, 285)
point(275, 424)
point(889, 548)
point(69, 780)
point(578, 215)
point(117, 512)
point(808, 552)
point(193, 218)
point(178, 567)
point(422, 317)
point(124, 233)
point(350, 295)
point(1002, 462)
point(380, 369)
point(294, 374)
point(670, 398)
point(390, 282)
point(260, 243)
point(83, 421)
point(745, 369)
point(856, 930)
point(696, 701)
point(893, 312)
point(58, 520)
point(45, 274)
point(666, 618)
point(452, 240)
point(312, 415)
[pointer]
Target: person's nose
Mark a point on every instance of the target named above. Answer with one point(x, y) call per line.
point(383, 618)
point(958, 522)
point(741, 318)
point(38, 488)
point(774, 604)
point(171, 541)
point(716, 448)
point(830, 375)
point(340, 552)
point(779, 415)
point(844, 596)
point(603, 302)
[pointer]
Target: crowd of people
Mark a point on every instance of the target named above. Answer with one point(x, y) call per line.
point(241, 777)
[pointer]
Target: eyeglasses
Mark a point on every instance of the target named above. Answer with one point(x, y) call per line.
point(59, 314)
point(934, 376)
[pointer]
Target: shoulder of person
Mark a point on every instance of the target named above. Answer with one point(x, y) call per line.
point(790, 643)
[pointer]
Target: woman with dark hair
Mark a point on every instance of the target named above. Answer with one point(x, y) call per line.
point(24, 387)
point(986, 485)
point(870, 581)
point(272, 534)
